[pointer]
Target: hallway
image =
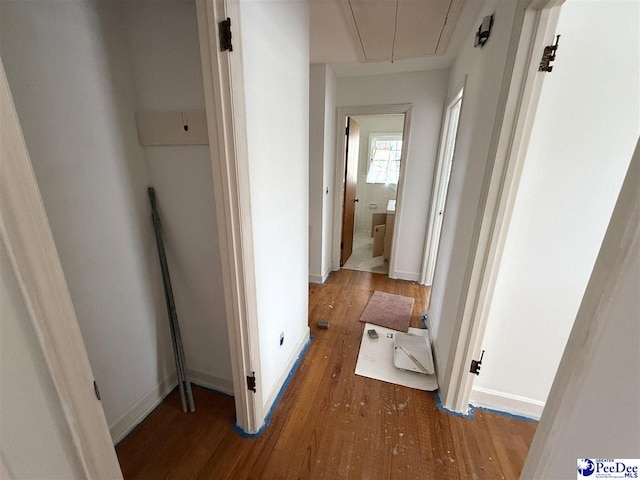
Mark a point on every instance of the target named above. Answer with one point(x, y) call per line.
point(331, 423)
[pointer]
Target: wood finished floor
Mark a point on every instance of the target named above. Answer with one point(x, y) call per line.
point(330, 423)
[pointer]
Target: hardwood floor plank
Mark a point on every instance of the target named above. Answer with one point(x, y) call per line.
point(330, 423)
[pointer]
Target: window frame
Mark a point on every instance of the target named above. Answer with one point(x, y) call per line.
point(384, 136)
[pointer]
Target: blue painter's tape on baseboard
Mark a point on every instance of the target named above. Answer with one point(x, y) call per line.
point(442, 408)
point(504, 414)
point(267, 420)
point(244, 434)
point(472, 408)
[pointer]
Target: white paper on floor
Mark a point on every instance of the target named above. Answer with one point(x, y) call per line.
point(375, 360)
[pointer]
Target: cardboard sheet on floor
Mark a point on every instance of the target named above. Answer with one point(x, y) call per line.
point(375, 360)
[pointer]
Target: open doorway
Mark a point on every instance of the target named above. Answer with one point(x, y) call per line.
point(557, 186)
point(121, 56)
point(373, 156)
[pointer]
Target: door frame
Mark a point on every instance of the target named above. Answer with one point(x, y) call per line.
point(33, 257)
point(222, 74)
point(534, 28)
point(432, 239)
point(343, 114)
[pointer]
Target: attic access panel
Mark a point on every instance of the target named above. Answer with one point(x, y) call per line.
point(395, 29)
point(374, 23)
point(420, 26)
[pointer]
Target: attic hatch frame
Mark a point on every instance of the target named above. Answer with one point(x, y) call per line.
point(534, 27)
point(453, 13)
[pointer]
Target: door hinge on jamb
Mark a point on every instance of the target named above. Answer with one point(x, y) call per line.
point(251, 382)
point(224, 34)
point(548, 56)
point(476, 364)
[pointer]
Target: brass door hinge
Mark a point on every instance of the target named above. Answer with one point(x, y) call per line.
point(548, 56)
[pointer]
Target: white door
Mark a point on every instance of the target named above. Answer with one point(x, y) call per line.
point(53, 424)
point(441, 186)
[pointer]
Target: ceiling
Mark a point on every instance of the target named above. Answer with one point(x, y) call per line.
point(397, 29)
point(359, 37)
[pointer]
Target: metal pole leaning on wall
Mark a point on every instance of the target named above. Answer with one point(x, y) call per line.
point(176, 337)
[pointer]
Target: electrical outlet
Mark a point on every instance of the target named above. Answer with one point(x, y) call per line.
point(281, 338)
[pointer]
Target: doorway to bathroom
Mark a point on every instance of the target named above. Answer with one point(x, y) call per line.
point(373, 161)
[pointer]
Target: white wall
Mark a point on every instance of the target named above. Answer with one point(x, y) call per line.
point(368, 193)
point(69, 72)
point(322, 119)
point(577, 158)
point(276, 81)
point(594, 405)
point(165, 58)
point(426, 91)
point(36, 442)
point(614, 435)
point(483, 69)
point(317, 92)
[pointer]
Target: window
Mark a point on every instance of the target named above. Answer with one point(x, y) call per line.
point(385, 151)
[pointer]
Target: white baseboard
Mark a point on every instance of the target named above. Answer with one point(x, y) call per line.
point(320, 277)
point(437, 360)
point(315, 278)
point(506, 402)
point(326, 272)
point(150, 400)
point(410, 276)
point(286, 370)
point(209, 381)
point(140, 409)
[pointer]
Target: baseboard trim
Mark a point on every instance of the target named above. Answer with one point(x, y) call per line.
point(141, 408)
point(437, 363)
point(315, 278)
point(278, 397)
point(326, 272)
point(506, 402)
point(320, 277)
point(287, 371)
point(211, 382)
point(409, 276)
